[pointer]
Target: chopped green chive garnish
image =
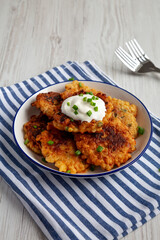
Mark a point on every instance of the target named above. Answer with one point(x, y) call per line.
point(50, 142)
point(68, 104)
point(68, 171)
point(93, 104)
point(75, 107)
point(96, 98)
point(80, 84)
point(75, 112)
point(78, 152)
point(85, 99)
point(89, 113)
point(96, 109)
point(71, 79)
point(43, 159)
point(140, 130)
point(100, 124)
point(99, 149)
point(81, 94)
point(92, 167)
point(89, 93)
point(93, 97)
point(26, 141)
point(71, 119)
point(35, 126)
point(66, 128)
point(89, 100)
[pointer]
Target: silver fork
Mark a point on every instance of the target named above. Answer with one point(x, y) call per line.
point(137, 60)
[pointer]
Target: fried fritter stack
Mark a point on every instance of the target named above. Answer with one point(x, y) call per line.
point(73, 146)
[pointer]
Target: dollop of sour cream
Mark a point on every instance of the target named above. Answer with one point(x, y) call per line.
point(84, 107)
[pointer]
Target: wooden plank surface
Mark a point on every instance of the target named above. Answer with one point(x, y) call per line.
point(36, 35)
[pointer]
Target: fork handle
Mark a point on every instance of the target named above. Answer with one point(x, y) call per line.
point(155, 69)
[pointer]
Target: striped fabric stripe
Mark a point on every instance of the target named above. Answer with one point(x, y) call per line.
point(64, 208)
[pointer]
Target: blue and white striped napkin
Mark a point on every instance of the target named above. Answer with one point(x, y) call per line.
point(79, 209)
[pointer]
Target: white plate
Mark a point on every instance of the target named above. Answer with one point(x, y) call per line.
point(143, 118)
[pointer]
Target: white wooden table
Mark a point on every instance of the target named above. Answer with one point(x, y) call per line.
point(36, 35)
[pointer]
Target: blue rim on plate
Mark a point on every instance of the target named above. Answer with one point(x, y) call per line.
point(101, 174)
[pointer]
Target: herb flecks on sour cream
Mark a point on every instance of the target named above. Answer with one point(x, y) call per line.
point(84, 107)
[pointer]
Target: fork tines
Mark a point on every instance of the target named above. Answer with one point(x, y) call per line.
point(129, 61)
point(135, 50)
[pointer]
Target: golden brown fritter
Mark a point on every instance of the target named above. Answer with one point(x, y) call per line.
point(48, 103)
point(124, 106)
point(127, 113)
point(130, 121)
point(108, 148)
point(75, 88)
point(32, 128)
point(59, 147)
